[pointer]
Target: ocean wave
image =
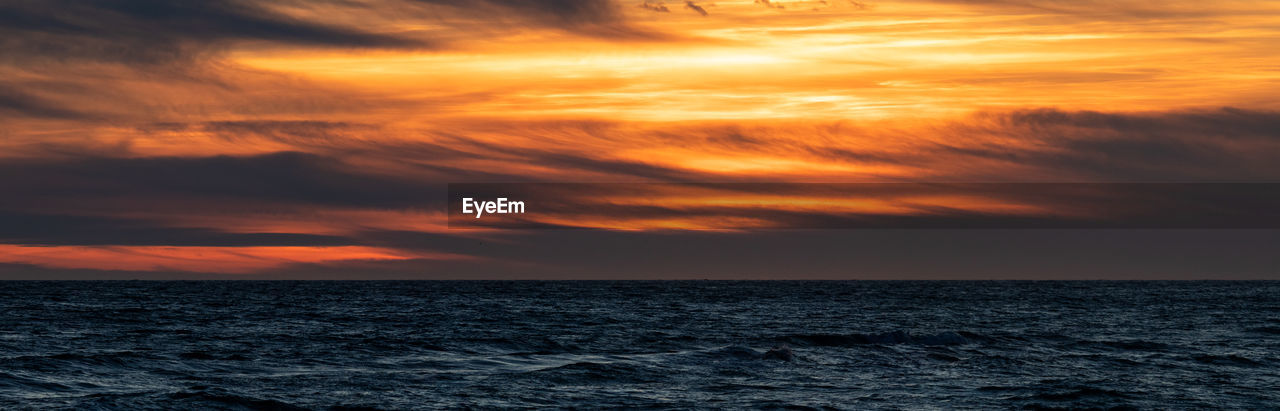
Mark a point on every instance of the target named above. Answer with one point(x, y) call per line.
point(19, 383)
point(1265, 330)
point(737, 352)
point(781, 352)
point(1124, 345)
point(513, 346)
point(224, 400)
point(888, 338)
point(1080, 393)
point(598, 372)
point(1227, 359)
point(95, 359)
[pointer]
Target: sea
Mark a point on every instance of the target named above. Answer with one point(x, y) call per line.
point(363, 345)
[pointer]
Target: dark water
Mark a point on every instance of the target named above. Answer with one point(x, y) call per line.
point(325, 345)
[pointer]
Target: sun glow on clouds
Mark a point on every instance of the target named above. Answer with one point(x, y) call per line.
point(896, 60)
point(335, 116)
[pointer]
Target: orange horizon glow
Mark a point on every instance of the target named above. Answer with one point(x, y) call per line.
point(223, 260)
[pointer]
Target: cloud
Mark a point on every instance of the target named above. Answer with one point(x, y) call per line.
point(1185, 145)
point(879, 205)
point(284, 177)
point(157, 31)
point(770, 4)
point(305, 196)
point(659, 7)
point(62, 58)
point(1227, 122)
point(1095, 9)
point(601, 19)
point(54, 229)
point(136, 204)
point(149, 32)
point(695, 7)
point(1044, 144)
point(550, 12)
point(227, 260)
point(333, 123)
point(15, 102)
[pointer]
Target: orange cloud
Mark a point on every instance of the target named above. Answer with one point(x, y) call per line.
point(228, 260)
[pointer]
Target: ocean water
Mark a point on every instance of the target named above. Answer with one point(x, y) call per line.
point(700, 344)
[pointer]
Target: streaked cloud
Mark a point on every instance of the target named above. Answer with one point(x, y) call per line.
point(309, 135)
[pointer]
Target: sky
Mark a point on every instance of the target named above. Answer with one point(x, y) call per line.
point(315, 139)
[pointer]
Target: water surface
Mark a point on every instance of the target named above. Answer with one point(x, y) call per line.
point(846, 345)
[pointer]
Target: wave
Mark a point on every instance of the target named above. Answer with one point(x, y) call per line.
point(737, 352)
point(196, 355)
point(1077, 397)
point(1125, 345)
point(1080, 393)
point(596, 372)
point(516, 346)
point(98, 359)
point(208, 399)
point(894, 337)
point(13, 382)
point(1265, 330)
point(1229, 359)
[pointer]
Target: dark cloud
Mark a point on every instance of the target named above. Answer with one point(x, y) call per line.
point(862, 157)
point(695, 7)
point(15, 102)
point(304, 133)
point(624, 169)
point(158, 31)
point(1225, 122)
point(280, 177)
point(1195, 145)
point(1059, 205)
point(53, 229)
point(660, 7)
point(770, 4)
point(555, 12)
point(595, 18)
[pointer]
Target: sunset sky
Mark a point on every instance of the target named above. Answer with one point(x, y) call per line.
point(314, 139)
